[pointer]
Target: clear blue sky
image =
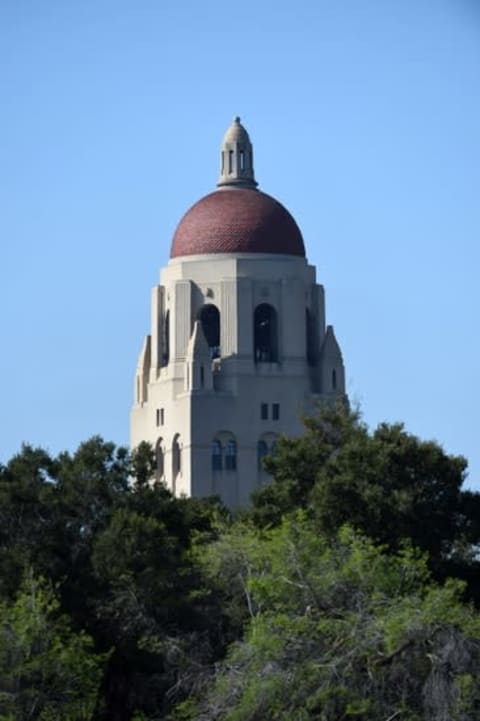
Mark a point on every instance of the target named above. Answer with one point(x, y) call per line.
point(365, 119)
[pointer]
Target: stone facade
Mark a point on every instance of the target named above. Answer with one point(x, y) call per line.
point(238, 347)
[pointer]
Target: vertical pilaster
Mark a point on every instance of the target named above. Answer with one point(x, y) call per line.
point(318, 309)
point(245, 317)
point(182, 321)
point(157, 315)
point(292, 318)
point(228, 318)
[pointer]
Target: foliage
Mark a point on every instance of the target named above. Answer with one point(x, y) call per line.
point(118, 551)
point(47, 672)
point(341, 630)
point(387, 483)
point(168, 608)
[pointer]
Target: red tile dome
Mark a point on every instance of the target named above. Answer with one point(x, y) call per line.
point(237, 220)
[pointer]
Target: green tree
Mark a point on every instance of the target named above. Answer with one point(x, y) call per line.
point(150, 604)
point(47, 672)
point(339, 629)
point(118, 551)
point(25, 514)
point(387, 483)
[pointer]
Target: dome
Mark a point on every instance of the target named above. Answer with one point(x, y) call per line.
point(237, 220)
point(236, 133)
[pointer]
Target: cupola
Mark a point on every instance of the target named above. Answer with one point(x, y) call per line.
point(236, 167)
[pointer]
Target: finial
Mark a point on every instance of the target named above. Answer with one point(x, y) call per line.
point(237, 158)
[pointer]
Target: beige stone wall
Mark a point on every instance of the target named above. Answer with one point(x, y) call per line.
point(198, 400)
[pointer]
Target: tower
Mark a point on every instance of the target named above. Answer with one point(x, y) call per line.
point(238, 348)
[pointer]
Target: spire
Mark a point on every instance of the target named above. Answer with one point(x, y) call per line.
point(198, 361)
point(237, 158)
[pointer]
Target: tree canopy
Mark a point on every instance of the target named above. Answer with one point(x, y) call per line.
point(349, 588)
point(388, 484)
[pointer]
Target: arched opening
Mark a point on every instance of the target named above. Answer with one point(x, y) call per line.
point(231, 455)
point(166, 340)
point(209, 317)
point(334, 379)
point(265, 334)
point(262, 451)
point(176, 457)
point(310, 338)
point(216, 455)
point(159, 460)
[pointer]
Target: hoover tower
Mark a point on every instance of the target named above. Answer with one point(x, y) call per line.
point(239, 348)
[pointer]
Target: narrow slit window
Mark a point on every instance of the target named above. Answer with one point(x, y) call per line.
point(334, 379)
point(230, 161)
point(159, 460)
point(262, 451)
point(242, 160)
point(176, 457)
point(216, 455)
point(166, 340)
point(231, 456)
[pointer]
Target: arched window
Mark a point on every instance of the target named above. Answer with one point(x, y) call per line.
point(265, 334)
point(310, 338)
point(262, 451)
point(231, 455)
point(166, 340)
point(209, 317)
point(159, 460)
point(216, 455)
point(176, 457)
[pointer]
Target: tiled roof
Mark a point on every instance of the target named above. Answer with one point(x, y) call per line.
point(237, 220)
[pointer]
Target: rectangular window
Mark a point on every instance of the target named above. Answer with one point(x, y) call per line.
point(158, 416)
point(231, 463)
point(264, 411)
point(162, 416)
point(276, 411)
